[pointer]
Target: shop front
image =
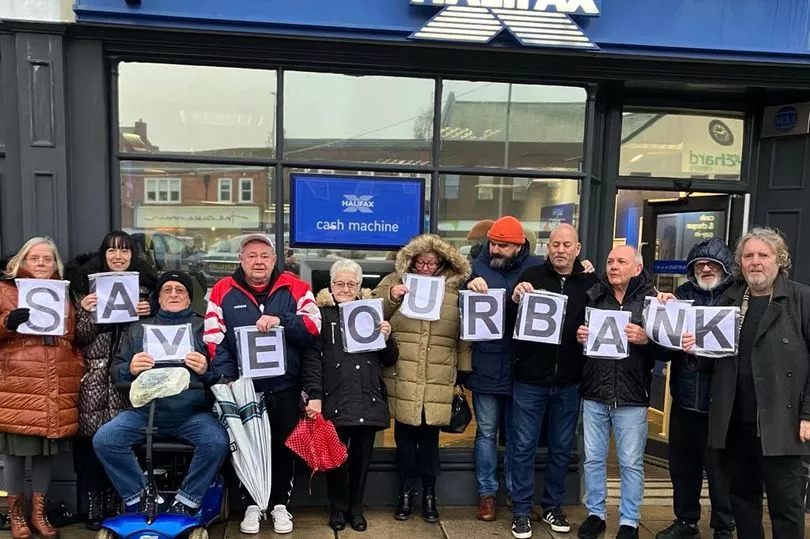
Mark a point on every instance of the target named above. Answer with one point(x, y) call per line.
point(343, 128)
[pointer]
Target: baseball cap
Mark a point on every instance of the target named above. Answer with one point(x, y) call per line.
point(264, 238)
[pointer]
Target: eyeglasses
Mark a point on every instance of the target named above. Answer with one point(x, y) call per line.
point(340, 285)
point(254, 257)
point(701, 263)
point(426, 264)
point(117, 250)
point(38, 259)
point(179, 290)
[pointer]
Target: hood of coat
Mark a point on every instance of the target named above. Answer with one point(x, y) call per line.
point(325, 299)
point(713, 249)
point(455, 267)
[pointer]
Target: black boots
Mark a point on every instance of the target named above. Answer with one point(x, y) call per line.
point(405, 505)
point(429, 511)
point(95, 509)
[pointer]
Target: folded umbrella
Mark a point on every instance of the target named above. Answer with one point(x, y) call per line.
point(316, 441)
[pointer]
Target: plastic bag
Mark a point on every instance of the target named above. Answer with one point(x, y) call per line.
point(158, 383)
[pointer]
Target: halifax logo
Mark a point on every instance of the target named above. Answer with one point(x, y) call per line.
point(358, 204)
point(535, 23)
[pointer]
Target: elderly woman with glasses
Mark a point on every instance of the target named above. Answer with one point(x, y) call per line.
point(349, 390)
point(421, 384)
point(39, 390)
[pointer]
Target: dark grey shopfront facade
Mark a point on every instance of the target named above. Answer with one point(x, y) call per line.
point(68, 171)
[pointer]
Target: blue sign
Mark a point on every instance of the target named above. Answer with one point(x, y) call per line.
point(670, 267)
point(356, 212)
point(786, 118)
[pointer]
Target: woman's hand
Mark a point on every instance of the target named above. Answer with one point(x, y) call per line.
point(804, 430)
point(89, 302)
point(636, 334)
point(196, 362)
point(385, 329)
point(687, 342)
point(17, 317)
point(397, 291)
point(313, 407)
point(141, 362)
point(143, 308)
point(582, 334)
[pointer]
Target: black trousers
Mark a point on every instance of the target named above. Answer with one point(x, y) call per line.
point(688, 456)
point(749, 470)
point(91, 474)
point(417, 452)
point(345, 485)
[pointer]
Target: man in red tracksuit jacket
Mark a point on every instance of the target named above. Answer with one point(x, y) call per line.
point(259, 294)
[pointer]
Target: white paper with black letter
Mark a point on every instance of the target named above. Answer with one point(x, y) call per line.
point(261, 354)
point(360, 325)
point(482, 314)
point(47, 301)
point(168, 344)
point(423, 300)
point(715, 328)
point(540, 317)
point(665, 323)
point(118, 294)
point(606, 336)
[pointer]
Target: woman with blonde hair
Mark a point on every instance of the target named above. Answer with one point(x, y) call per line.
point(39, 389)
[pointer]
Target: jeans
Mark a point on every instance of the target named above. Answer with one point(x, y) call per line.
point(489, 409)
point(113, 443)
point(529, 404)
point(630, 429)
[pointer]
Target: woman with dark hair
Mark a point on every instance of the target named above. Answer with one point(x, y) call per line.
point(99, 400)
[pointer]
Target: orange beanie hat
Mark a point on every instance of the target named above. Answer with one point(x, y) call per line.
point(480, 229)
point(507, 229)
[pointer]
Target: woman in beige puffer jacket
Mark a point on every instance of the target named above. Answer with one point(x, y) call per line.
point(421, 383)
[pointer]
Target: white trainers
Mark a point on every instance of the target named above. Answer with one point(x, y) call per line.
point(282, 519)
point(250, 524)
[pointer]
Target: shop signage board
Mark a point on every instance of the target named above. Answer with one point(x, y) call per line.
point(169, 216)
point(786, 120)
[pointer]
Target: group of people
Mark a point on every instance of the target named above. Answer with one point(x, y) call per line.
point(743, 418)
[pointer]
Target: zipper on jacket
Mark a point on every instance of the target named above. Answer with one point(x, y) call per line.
point(557, 349)
point(333, 332)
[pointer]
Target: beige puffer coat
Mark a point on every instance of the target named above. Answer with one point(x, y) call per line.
point(430, 353)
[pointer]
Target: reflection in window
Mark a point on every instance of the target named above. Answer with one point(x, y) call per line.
point(225, 189)
point(162, 190)
point(543, 204)
point(246, 190)
point(512, 125)
point(206, 110)
point(374, 119)
point(681, 146)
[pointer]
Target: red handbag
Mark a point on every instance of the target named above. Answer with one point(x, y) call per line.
point(316, 441)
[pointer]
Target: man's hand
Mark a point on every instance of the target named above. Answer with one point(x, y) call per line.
point(196, 362)
point(582, 334)
point(520, 289)
point(385, 329)
point(143, 308)
point(397, 291)
point(266, 322)
point(636, 334)
point(587, 266)
point(89, 302)
point(478, 285)
point(687, 342)
point(141, 362)
point(804, 430)
point(664, 297)
point(313, 407)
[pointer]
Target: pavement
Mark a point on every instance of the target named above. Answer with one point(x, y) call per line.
point(456, 523)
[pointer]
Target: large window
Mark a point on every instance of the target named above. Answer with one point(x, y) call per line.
point(674, 145)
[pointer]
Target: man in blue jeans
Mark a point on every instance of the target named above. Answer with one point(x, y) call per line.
point(615, 395)
point(545, 378)
point(501, 261)
point(186, 416)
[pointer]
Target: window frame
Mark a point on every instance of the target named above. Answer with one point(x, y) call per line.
point(222, 182)
point(242, 183)
point(171, 180)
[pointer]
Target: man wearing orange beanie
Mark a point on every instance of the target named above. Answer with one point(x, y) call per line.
point(507, 229)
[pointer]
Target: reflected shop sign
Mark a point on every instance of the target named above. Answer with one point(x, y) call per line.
point(677, 233)
point(360, 212)
point(237, 217)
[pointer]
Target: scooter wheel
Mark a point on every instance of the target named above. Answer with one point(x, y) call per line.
point(105, 533)
point(198, 533)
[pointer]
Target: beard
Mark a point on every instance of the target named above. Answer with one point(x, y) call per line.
point(500, 262)
point(709, 285)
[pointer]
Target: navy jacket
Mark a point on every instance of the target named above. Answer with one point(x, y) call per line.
point(231, 304)
point(492, 360)
point(691, 377)
point(189, 402)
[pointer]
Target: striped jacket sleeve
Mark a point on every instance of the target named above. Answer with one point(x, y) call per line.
point(223, 363)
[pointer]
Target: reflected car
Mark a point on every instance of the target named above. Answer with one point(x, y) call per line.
point(166, 251)
point(221, 260)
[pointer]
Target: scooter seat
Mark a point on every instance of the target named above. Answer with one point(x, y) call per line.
point(169, 445)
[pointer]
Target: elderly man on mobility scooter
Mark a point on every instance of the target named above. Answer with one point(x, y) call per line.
point(186, 416)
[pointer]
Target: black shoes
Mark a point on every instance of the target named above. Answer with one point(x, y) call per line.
point(521, 527)
point(358, 523)
point(591, 528)
point(337, 521)
point(679, 530)
point(95, 510)
point(179, 508)
point(405, 505)
point(627, 532)
point(430, 512)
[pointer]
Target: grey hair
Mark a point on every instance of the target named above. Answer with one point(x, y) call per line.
point(639, 257)
point(773, 238)
point(16, 261)
point(346, 265)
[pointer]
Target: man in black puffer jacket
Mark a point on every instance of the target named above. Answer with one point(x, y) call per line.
point(708, 268)
point(616, 394)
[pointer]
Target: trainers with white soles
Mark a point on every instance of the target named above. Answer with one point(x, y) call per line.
point(282, 519)
point(250, 524)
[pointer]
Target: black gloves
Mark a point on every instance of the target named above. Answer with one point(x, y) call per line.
point(461, 378)
point(17, 317)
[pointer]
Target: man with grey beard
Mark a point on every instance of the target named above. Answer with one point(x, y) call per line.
point(708, 268)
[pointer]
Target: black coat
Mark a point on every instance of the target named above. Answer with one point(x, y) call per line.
point(546, 364)
point(691, 377)
point(350, 385)
point(623, 382)
point(780, 361)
